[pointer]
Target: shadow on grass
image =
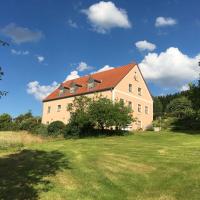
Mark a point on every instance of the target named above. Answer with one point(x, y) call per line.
point(22, 175)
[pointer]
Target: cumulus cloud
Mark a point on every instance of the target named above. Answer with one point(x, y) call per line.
point(20, 34)
point(15, 52)
point(144, 45)
point(72, 23)
point(171, 68)
point(185, 87)
point(40, 59)
point(104, 16)
point(40, 91)
point(105, 68)
point(165, 21)
point(72, 75)
point(82, 66)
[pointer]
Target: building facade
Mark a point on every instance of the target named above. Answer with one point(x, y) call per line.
point(124, 83)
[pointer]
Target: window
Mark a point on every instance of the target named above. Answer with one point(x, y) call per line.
point(139, 108)
point(140, 91)
point(48, 122)
point(130, 104)
point(90, 85)
point(72, 90)
point(59, 108)
point(139, 124)
point(146, 110)
point(49, 109)
point(130, 88)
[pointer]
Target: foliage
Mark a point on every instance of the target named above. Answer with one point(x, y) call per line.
point(179, 107)
point(194, 96)
point(5, 122)
point(56, 128)
point(88, 114)
point(157, 107)
point(80, 122)
point(40, 129)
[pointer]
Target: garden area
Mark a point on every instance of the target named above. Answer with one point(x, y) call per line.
point(141, 166)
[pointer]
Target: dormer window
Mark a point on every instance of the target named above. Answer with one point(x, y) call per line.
point(74, 87)
point(62, 90)
point(92, 82)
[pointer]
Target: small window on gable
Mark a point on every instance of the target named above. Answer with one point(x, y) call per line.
point(135, 76)
point(130, 88)
point(140, 91)
point(72, 89)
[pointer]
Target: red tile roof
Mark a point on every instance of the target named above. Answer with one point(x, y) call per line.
point(107, 80)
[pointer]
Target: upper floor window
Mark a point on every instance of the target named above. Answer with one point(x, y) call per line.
point(130, 88)
point(146, 110)
point(140, 91)
point(139, 108)
point(59, 108)
point(49, 109)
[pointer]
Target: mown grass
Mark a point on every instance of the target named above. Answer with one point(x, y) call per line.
point(144, 166)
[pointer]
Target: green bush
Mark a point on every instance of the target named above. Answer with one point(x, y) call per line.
point(56, 128)
point(5, 122)
point(40, 129)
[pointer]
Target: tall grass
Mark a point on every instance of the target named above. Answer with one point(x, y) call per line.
point(9, 139)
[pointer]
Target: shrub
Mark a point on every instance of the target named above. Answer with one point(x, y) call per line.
point(40, 129)
point(5, 122)
point(56, 128)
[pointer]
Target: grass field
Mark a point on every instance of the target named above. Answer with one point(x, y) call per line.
point(145, 166)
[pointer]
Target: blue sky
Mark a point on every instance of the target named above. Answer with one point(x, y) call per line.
point(50, 40)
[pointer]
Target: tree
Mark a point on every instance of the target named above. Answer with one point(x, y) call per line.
point(105, 114)
point(5, 122)
point(157, 107)
point(179, 107)
point(194, 95)
point(2, 93)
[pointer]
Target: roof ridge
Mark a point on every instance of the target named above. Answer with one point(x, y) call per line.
point(114, 68)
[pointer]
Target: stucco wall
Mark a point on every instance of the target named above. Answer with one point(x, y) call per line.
point(64, 115)
point(121, 91)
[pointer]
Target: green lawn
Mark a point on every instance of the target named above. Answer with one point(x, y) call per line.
point(146, 166)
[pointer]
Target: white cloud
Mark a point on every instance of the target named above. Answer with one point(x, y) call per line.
point(15, 52)
point(104, 16)
point(165, 21)
point(20, 34)
point(185, 87)
point(72, 23)
point(72, 75)
point(144, 45)
point(105, 68)
point(171, 68)
point(82, 66)
point(40, 91)
point(40, 59)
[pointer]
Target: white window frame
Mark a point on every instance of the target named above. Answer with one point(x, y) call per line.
point(139, 105)
point(130, 87)
point(59, 108)
point(139, 91)
point(146, 110)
